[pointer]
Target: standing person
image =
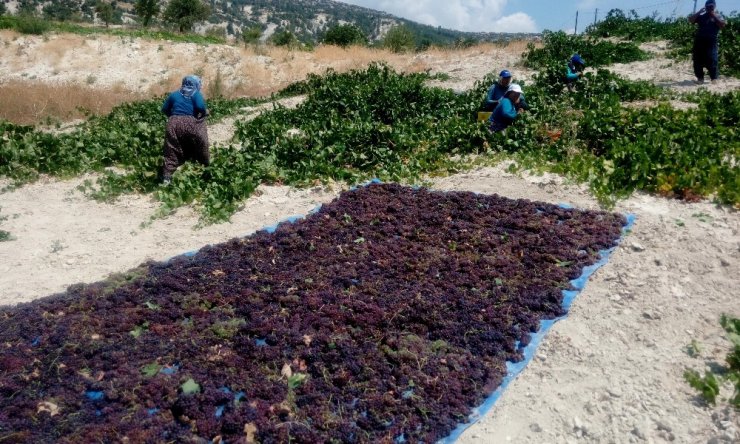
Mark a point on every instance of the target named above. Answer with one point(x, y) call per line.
point(186, 134)
point(507, 109)
point(574, 71)
point(705, 52)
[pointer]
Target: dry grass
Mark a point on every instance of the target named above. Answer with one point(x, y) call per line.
point(32, 102)
point(50, 79)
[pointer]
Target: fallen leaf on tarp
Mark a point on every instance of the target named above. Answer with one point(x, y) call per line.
point(190, 387)
point(249, 431)
point(301, 364)
point(49, 407)
point(151, 369)
point(286, 371)
point(296, 380)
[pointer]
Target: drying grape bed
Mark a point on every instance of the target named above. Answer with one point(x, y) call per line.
point(385, 316)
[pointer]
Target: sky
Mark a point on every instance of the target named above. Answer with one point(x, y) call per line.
point(527, 15)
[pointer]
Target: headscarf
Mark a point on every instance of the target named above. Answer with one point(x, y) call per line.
point(190, 85)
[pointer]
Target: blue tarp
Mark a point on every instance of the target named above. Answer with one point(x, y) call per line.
point(514, 368)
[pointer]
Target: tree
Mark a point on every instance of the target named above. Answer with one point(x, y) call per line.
point(3, 10)
point(105, 12)
point(61, 10)
point(117, 17)
point(345, 35)
point(399, 39)
point(146, 10)
point(26, 8)
point(251, 35)
point(87, 9)
point(184, 13)
point(284, 38)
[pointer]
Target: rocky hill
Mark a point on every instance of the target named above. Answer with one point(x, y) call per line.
point(308, 20)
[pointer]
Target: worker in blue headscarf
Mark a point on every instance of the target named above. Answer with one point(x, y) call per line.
point(705, 52)
point(574, 71)
point(186, 135)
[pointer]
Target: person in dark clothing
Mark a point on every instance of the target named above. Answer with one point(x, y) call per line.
point(705, 52)
point(507, 109)
point(186, 135)
point(574, 71)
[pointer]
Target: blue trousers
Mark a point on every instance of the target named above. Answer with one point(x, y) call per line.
point(705, 56)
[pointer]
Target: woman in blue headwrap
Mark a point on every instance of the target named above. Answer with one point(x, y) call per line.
point(186, 136)
point(574, 71)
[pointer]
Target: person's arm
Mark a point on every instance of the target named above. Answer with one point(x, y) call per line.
point(572, 74)
point(167, 106)
point(490, 101)
point(721, 23)
point(522, 103)
point(199, 105)
point(694, 17)
point(508, 109)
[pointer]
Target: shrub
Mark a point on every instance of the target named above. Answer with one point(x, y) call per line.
point(147, 10)
point(284, 38)
point(29, 24)
point(399, 39)
point(709, 385)
point(104, 11)
point(184, 13)
point(251, 35)
point(631, 27)
point(345, 35)
point(559, 46)
point(62, 10)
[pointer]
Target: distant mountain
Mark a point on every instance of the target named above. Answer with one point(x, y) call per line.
point(307, 20)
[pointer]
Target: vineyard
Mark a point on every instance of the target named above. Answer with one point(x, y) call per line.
point(615, 136)
point(406, 130)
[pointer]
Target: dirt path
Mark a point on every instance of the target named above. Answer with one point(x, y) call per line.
point(610, 372)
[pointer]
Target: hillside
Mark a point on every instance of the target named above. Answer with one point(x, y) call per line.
point(36, 70)
point(308, 20)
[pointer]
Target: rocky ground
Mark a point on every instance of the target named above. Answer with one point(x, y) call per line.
point(611, 372)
